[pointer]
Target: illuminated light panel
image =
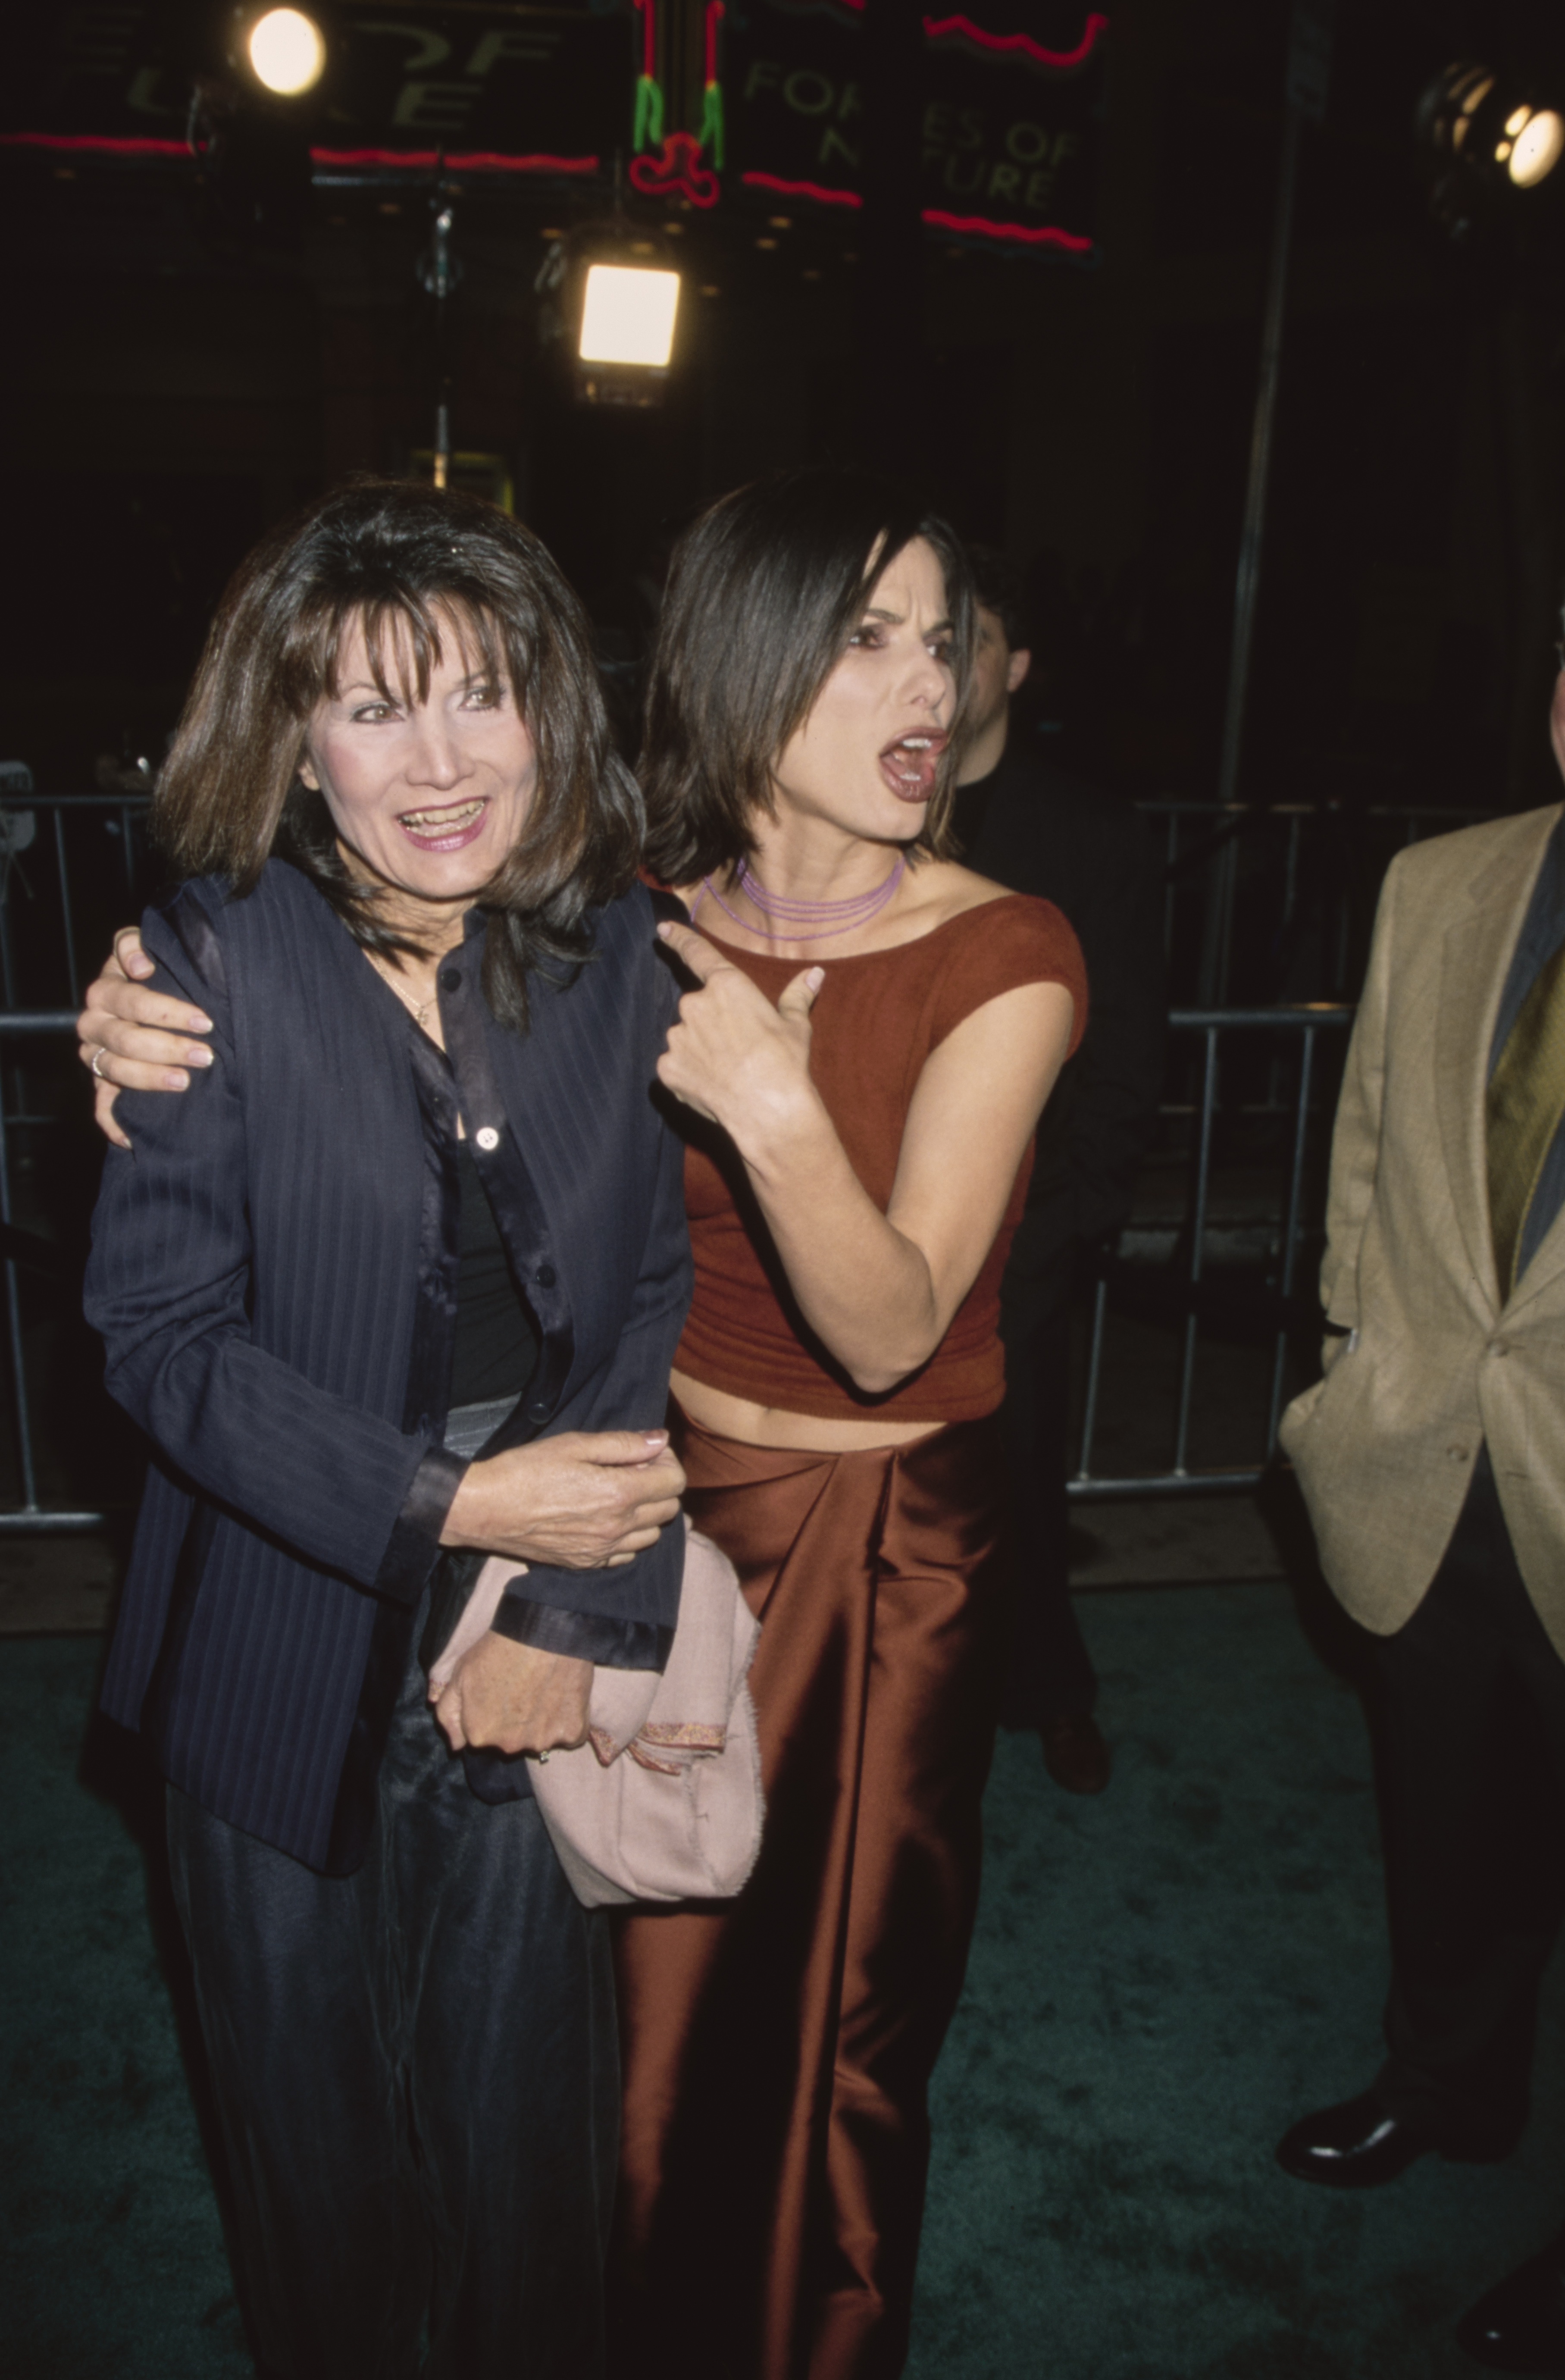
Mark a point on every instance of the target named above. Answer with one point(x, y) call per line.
point(286, 51)
point(1043, 236)
point(1537, 149)
point(627, 316)
point(1021, 45)
point(802, 191)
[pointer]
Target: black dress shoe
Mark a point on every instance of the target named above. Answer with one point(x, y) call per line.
point(1520, 2324)
point(1357, 2146)
point(1075, 1753)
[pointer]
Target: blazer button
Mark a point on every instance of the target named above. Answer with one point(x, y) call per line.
point(451, 979)
point(485, 1137)
point(540, 1410)
point(545, 1276)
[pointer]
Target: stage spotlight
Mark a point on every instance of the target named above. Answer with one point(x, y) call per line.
point(286, 51)
point(608, 305)
point(627, 316)
point(1488, 129)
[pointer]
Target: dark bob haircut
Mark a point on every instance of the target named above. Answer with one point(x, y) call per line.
point(765, 591)
point(418, 566)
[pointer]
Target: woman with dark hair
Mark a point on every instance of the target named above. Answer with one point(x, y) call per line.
point(870, 1037)
point(874, 1033)
point(395, 1288)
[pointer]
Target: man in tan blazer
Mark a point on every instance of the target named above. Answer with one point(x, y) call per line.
point(1432, 1458)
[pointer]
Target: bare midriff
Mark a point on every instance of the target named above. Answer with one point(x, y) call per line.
point(756, 1424)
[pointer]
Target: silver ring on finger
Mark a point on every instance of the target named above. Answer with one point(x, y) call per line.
point(98, 1057)
point(541, 1758)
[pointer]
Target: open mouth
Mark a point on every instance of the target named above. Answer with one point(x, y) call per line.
point(450, 829)
point(909, 765)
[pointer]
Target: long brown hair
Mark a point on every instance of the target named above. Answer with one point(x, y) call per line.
point(764, 593)
point(414, 564)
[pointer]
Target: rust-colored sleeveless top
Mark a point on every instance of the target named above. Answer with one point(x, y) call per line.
point(875, 1021)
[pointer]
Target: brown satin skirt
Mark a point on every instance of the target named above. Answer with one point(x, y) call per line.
point(778, 2049)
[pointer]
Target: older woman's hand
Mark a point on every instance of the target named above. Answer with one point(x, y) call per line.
point(732, 1056)
point(516, 1698)
point(583, 1500)
point(133, 1039)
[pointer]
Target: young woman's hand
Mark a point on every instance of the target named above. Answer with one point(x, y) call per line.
point(133, 1039)
point(732, 1056)
point(515, 1699)
point(587, 1499)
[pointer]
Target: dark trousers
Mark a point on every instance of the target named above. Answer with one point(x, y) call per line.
point(418, 2075)
point(1047, 1672)
point(1473, 1744)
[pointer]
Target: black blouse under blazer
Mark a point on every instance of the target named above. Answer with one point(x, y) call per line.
point(274, 1270)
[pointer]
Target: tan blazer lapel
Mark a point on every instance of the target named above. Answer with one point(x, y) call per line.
point(1475, 959)
point(1546, 1267)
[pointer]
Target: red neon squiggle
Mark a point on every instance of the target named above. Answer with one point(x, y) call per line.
point(803, 190)
point(103, 147)
point(1046, 235)
point(715, 13)
point(649, 40)
point(476, 160)
point(677, 169)
point(1020, 44)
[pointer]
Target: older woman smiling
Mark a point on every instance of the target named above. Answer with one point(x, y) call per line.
point(402, 1273)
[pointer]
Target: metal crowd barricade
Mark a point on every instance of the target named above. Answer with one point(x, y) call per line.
point(1209, 1026)
point(31, 1519)
point(1201, 842)
point(52, 952)
point(22, 815)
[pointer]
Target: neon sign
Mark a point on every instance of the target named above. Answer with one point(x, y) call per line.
point(1019, 45)
point(477, 161)
point(675, 172)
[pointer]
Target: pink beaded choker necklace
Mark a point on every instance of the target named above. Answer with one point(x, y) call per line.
point(790, 917)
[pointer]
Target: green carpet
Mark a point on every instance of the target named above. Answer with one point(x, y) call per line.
point(1162, 1980)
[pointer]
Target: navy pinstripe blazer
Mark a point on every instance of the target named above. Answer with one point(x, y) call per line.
point(273, 1271)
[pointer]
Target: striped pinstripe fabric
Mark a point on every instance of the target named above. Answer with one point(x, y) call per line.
point(274, 1275)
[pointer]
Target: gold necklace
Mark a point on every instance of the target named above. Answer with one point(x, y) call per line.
point(418, 1009)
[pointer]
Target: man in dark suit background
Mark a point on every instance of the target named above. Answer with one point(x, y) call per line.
point(1030, 826)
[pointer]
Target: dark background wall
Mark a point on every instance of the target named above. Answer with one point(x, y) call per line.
point(167, 397)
